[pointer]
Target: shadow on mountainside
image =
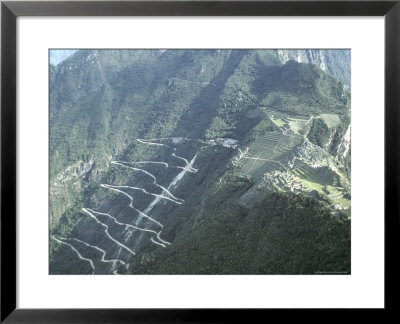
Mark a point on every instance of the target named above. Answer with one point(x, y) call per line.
point(204, 107)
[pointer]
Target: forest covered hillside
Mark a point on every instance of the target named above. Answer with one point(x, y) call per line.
point(200, 162)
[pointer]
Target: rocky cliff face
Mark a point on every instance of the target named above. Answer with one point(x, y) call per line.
point(343, 149)
point(335, 62)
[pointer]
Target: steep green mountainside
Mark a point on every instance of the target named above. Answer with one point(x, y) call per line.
point(300, 88)
point(284, 233)
point(100, 98)
point(165, 155)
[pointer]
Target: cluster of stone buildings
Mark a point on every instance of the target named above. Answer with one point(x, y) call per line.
point(282, 180)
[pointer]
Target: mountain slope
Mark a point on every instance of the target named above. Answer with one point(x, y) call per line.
point(278, 235)
point(161, 155)
point(336, 63)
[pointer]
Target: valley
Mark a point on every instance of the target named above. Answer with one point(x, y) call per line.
point(199, 162)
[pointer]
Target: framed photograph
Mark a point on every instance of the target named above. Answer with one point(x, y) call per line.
point(180, 160)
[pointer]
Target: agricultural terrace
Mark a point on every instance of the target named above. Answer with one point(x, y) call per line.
point(268, 155)
point(331, 120)
point(268, 152)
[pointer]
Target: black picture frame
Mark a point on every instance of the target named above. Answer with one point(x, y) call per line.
point(10, 10)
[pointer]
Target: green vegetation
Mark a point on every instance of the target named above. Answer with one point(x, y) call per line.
point(269, 203)
point(282, 234)
point(267, 153)
point(297, 125)
point(277, 121)
point(319, 132)
point(300, 89)
point(331, 120)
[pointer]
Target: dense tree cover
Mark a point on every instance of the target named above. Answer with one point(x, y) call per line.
point(319, 132)
point(102, 101)
point(63, 260)
point(285, 233)
point(299, 88)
